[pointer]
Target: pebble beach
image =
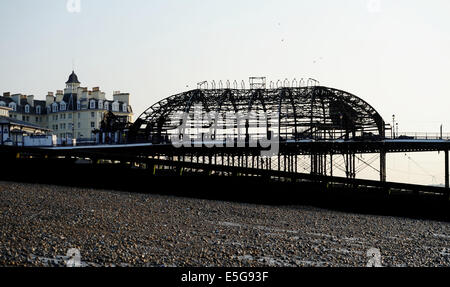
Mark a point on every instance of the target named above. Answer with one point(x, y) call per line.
point(40, 223)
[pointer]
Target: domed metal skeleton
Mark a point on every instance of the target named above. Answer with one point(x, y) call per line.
point(315, 112)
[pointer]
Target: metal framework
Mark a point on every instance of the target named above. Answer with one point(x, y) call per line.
point(314, 112)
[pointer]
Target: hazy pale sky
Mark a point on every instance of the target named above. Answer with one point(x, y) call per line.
point(394, 54)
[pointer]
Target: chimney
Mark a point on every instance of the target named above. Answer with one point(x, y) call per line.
point(7, 94)
point(49, 99)
point(122, 97)
point(59, 97)
point(16, 98)
point(30, 100)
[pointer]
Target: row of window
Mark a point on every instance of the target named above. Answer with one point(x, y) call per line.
point(115, 106)
point(27, 118)
point(63, 126)
point(69, 116)
point(54, 117)
point(13, 106)
point(63, 116)
point(63, 107)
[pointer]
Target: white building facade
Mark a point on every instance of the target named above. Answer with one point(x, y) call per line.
point(74, 113)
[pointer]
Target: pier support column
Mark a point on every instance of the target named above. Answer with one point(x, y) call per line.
point(331, 164)
point(350, 162)
point(446, 170)
point(383, 166)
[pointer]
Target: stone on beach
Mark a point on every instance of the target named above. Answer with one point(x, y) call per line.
point(40, 223)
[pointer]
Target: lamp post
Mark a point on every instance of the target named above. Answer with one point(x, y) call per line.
point(393, 126)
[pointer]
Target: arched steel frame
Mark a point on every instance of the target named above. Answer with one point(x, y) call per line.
point(312, 112)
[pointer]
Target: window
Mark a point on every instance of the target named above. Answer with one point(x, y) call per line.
point(70, 116)
point(2, 104)
point(13, 106)
point(124, 107)
point(55, 107)
point(92, 104)
point(27, 109)
point(79, 115)
point(63, 106)
point(92, 114)
point(106, 106)
point(100, 104)
point(92, 124)
point(78, 105)
point(79, 125)
point(38, 110)
point(115, 107)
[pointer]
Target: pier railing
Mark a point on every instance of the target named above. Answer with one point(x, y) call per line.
point(420, 136)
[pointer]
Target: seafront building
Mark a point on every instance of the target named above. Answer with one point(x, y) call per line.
point(15, 132)
point(72, 113)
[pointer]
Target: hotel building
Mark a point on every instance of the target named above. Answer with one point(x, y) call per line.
point(74, 112)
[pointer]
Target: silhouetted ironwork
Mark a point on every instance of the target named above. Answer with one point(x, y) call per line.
point(312, 112)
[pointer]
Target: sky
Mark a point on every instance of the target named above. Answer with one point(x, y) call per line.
point(393, 54)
